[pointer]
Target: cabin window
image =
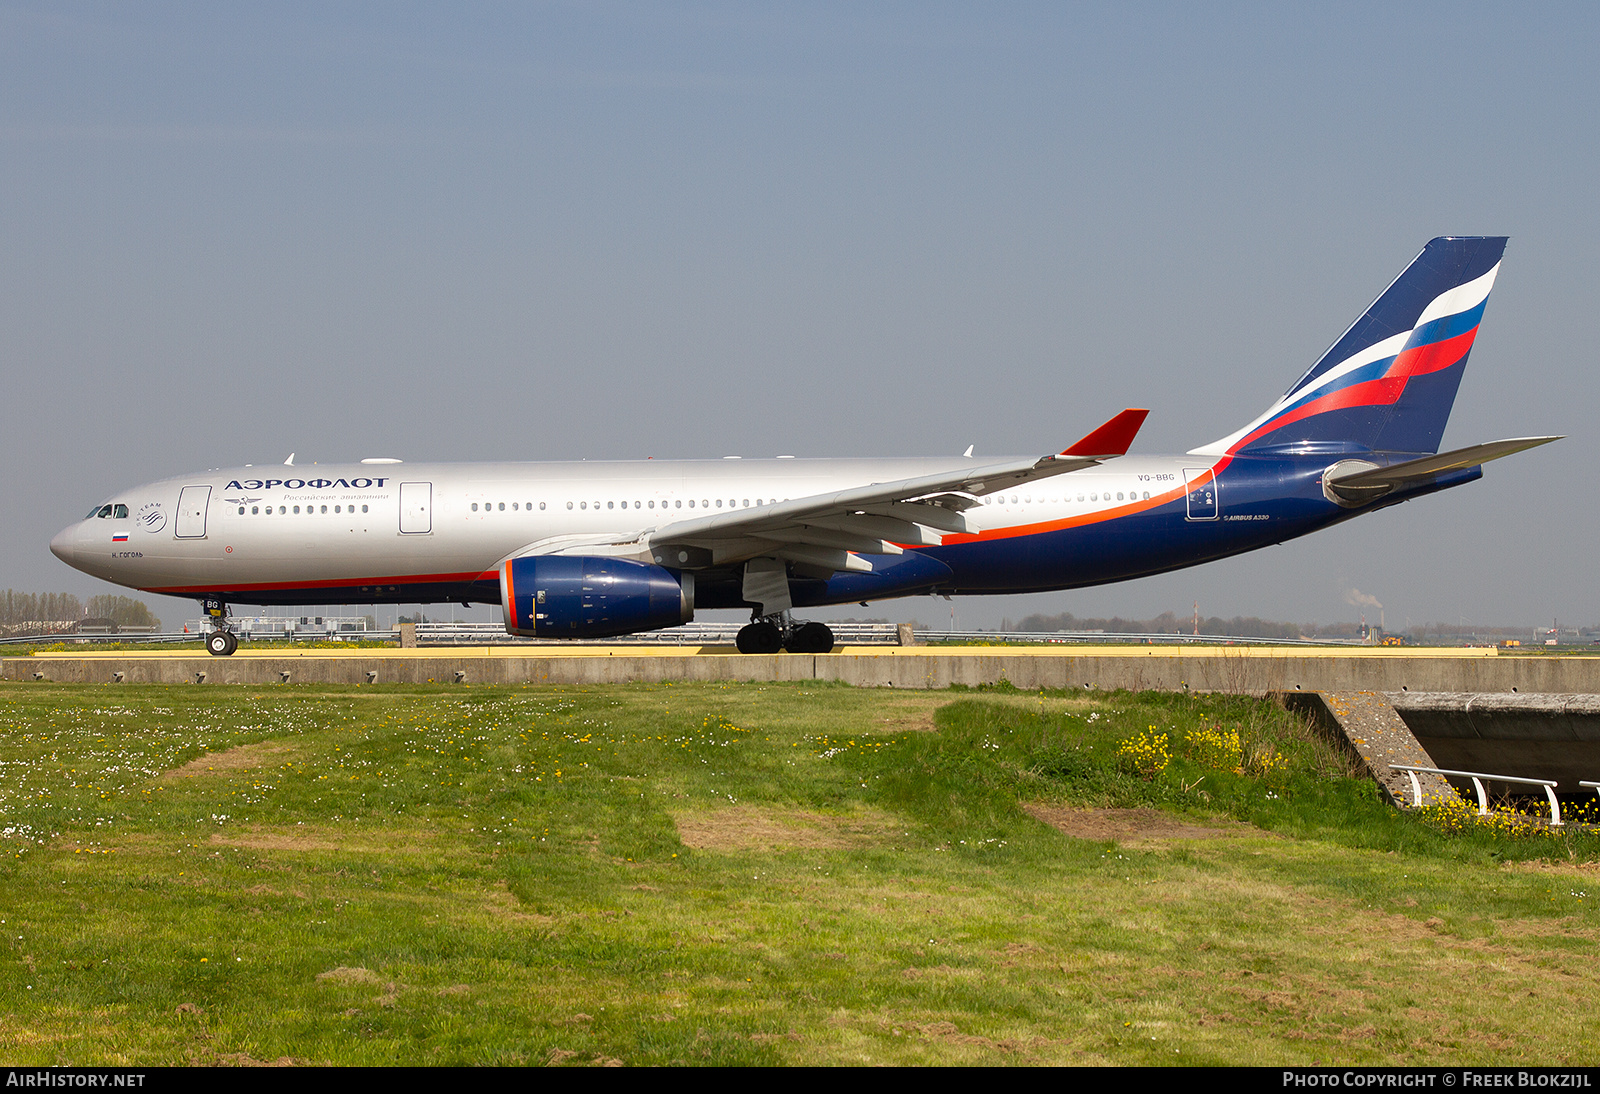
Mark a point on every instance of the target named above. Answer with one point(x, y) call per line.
point(241, 510)
point(611, 505)
point(691, 503)
point(583, 505)
point(474, 507)
point(297, 509)
point(324, 508)
point(255, 510)
point(569, 505)
point(652, 503)
point(1119, 495)
point(363, 508)
point(541, 505)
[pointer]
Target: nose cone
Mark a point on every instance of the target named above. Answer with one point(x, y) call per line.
point(64, 545)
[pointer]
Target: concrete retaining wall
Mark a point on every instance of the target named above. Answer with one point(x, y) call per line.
point(1249, 671)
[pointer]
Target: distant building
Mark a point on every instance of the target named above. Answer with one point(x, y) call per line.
point(289, 626)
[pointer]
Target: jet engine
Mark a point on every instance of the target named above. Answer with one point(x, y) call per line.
point(561, 596)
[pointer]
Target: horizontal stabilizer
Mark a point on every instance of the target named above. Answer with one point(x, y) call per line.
point(1355, 482)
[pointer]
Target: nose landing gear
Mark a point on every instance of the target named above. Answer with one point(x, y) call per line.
point(220, 642)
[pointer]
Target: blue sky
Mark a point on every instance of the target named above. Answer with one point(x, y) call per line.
point(549, 231)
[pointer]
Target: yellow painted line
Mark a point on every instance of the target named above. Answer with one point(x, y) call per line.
point(952, 652)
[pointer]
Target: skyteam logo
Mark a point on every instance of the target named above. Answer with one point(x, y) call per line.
point(151, 518)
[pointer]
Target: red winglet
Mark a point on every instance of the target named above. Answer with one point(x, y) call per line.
point(1111, 439)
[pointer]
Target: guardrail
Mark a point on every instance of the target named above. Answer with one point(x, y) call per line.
point(702, 634)
point(690, 634)
point(90, 639)
point(848, 634)
point(1478, 778)
point(1119, 638)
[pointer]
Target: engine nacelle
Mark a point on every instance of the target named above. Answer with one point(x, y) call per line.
point(562, 596)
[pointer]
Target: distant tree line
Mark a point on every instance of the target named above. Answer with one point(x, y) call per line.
point(124, 611)
point(57, 613)
point(1240, 626)
point(1248, 626)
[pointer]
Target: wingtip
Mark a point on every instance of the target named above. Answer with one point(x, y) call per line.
point(1113, 438)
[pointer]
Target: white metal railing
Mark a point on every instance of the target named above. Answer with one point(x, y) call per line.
point(853, 634)
point(1478, 778)
point(1105, 637)
point(850, 634)
point(690, 634)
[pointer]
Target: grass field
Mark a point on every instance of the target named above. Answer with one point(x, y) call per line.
point(752, 874)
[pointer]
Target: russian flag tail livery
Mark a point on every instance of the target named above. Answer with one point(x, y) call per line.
point(1388, 384)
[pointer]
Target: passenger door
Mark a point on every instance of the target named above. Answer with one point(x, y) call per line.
point(416, 508)
point(1203, 501)
point(192, 504)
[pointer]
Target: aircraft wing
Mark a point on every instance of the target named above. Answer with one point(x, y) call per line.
point(825, 532)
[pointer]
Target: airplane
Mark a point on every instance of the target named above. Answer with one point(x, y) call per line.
point(600, 549)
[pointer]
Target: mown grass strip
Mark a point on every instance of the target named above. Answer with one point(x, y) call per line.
point(749, 874)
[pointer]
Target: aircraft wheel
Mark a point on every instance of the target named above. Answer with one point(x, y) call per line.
point(810, 638)
point(759, 638)
point(221, 643)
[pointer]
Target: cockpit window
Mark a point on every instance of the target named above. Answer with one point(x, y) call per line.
point(120, 512)
point(103, 511)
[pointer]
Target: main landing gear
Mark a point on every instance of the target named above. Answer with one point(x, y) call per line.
point(769, 634)
point(220, 642)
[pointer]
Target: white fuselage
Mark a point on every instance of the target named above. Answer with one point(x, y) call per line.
point(272, 529)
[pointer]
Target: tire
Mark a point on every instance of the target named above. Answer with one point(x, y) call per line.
point(759, 638)
point(811, 638)
point(221, 643)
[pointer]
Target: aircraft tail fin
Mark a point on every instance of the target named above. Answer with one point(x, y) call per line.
point(1387, 385)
